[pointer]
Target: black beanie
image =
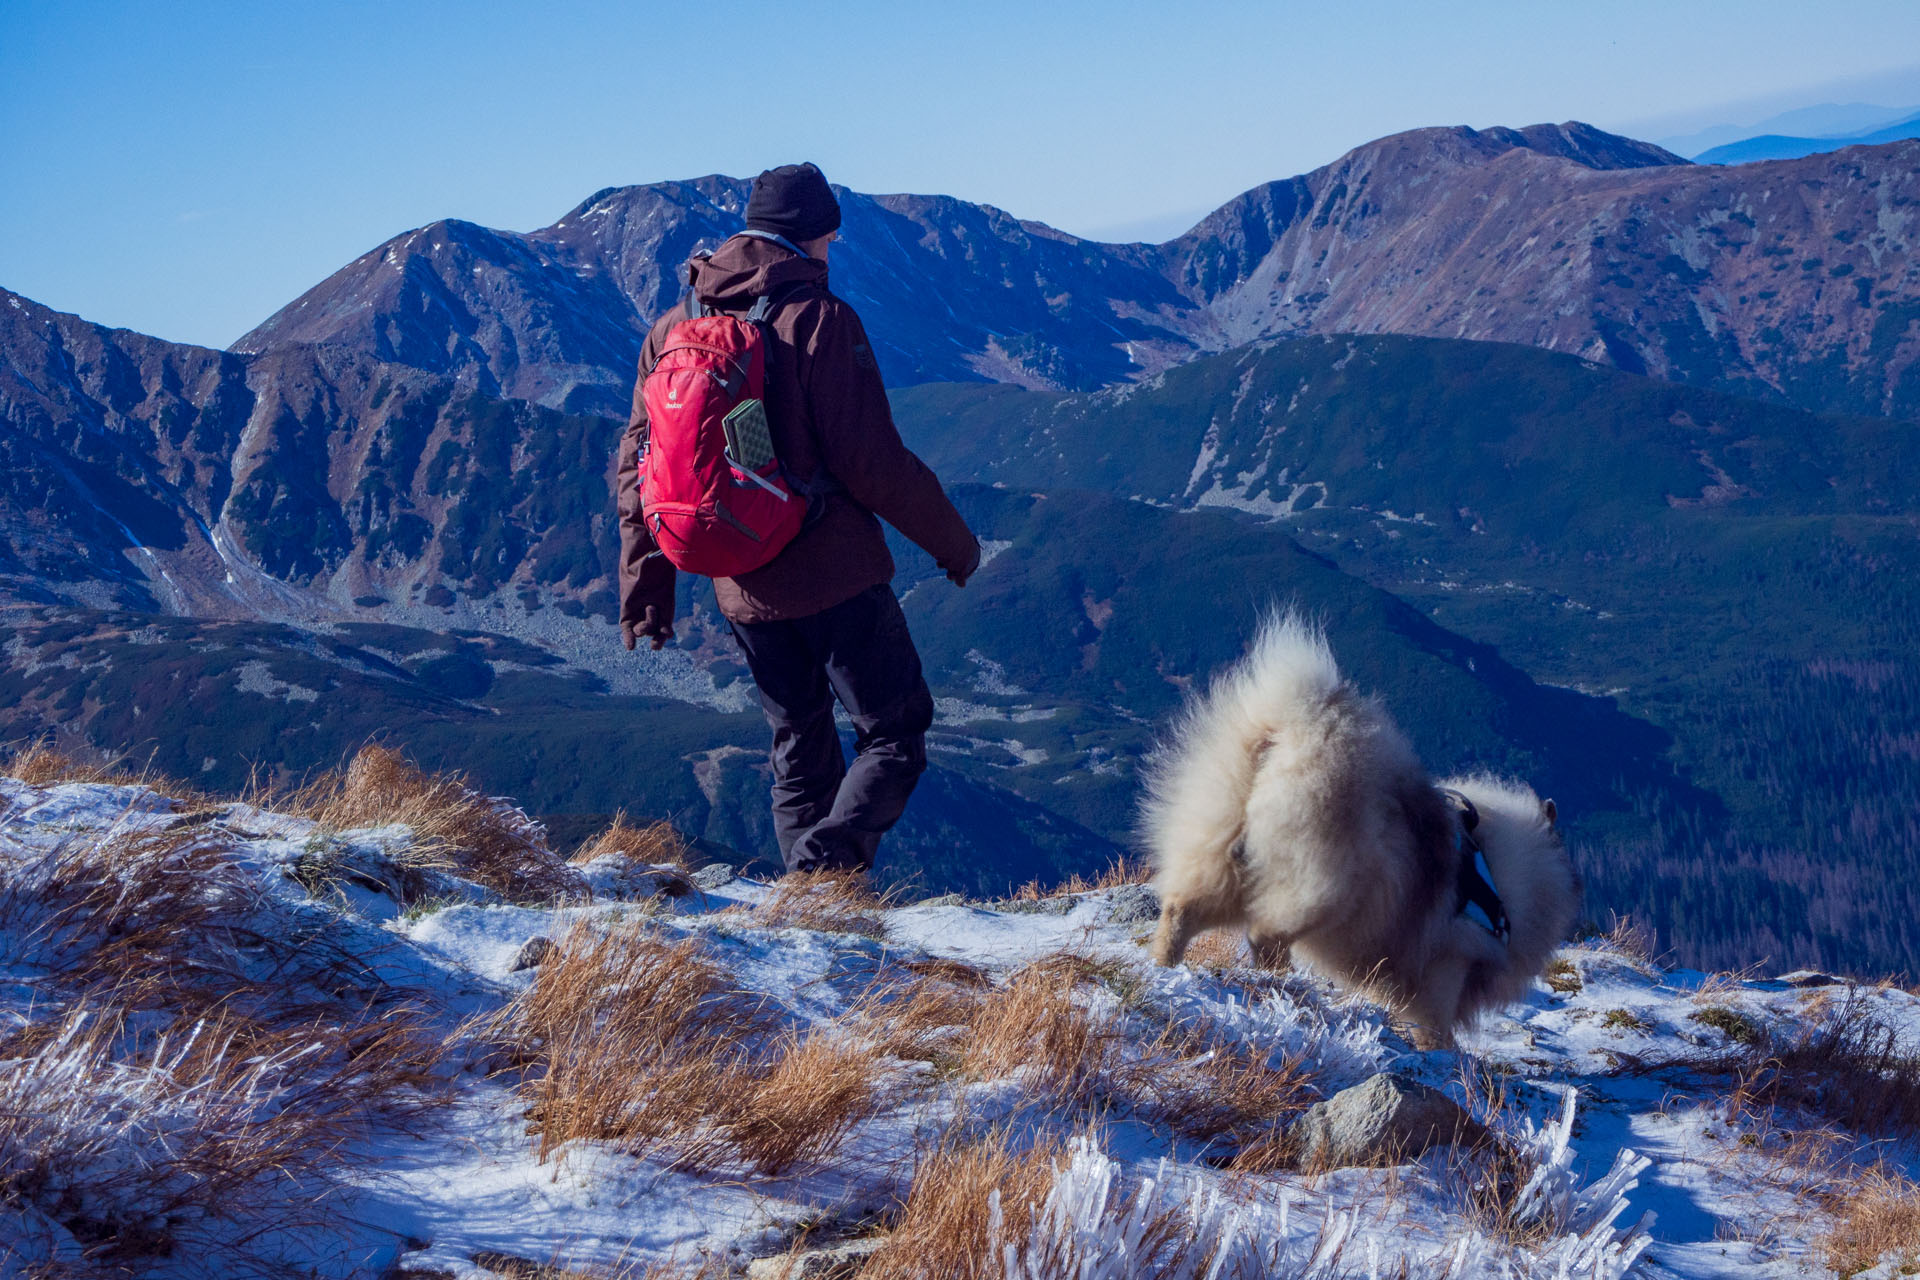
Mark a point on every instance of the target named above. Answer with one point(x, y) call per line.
point(793, 201)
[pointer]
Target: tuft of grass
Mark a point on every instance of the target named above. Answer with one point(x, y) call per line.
point(483, 838)
point(1122, 871)
point(1623, 1020)
point(1737, 1026)
point(1635, 943)
point(827, 901)
point(1851, 1069)
point(147, 1140)
point(1206, 1087)
point(942, 1227)
point(656, 844)
point(645, 1043)
point(1563, 978)
point(816, 1090)
point(38, 764)
point(1877, 1215)
point(636, 1039)
point(923, 1013)
point(1035, 1023)
point(1490, 1173)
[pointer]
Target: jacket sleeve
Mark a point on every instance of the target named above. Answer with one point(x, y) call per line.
point(863, 449)
point(646, 576)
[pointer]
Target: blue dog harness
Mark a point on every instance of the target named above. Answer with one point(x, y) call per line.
point(1476, 897)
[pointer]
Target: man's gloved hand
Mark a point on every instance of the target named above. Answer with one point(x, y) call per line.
point(958, 577)
point(651, 626)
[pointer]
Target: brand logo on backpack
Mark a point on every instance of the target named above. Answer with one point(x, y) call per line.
point(713, 490)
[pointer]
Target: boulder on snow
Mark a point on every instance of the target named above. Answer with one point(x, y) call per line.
point(534, 952)
point(714, 875)
point(619, 877)
point(1386, 1119)
point(840, 1262)
point(1133, 904)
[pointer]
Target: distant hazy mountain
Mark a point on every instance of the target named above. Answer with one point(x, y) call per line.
point(1790, 282)
point(1822, 120)
point(1774, 146)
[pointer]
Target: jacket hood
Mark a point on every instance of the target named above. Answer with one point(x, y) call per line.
point(747, 267)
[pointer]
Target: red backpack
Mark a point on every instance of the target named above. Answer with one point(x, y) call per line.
point(716, 498)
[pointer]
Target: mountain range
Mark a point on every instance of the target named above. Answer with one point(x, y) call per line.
point(1794, 281)
point(1595, 462)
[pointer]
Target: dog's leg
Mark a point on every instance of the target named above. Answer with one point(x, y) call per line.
point(1270, 950)
point(1435, 1006)
point(1178, 924)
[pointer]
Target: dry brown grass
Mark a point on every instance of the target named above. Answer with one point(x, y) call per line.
point(634, 1038)
point(1879, 1215)
point(1035, 1023)
point(656, 844)
point(817, 1088)
point(920, 1016)
point(942, 1227)
point(1635, 943)
point(483, 838)
point(1851, 1069)
point(1218, 951)
point(1123, 871)
point(1205, 1087)
point(649, 1045)
point(40, 765)
point(827, 901)
point(1489, 1164)
point(170, 921)
point(953, 1016)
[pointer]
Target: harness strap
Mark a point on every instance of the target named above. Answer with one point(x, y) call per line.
point(1475, 896)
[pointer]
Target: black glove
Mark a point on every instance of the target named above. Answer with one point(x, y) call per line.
point(958, 577)
point(650, 626)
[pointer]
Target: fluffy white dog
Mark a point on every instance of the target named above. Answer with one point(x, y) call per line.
point(1288, 803)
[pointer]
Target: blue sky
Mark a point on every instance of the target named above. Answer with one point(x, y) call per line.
point(186, 168)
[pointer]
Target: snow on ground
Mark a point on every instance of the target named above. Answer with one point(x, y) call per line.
point(436, 1191)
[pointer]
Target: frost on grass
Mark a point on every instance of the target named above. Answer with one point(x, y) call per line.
point(1178, 1226)
point(182, 1056)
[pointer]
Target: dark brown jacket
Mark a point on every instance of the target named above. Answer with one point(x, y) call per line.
point(826, 408)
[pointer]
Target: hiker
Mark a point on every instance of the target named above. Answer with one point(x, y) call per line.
point(819, 620)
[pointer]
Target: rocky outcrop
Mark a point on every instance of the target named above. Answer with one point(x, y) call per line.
point(149, 475)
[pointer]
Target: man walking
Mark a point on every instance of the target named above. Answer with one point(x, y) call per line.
point(819, 621)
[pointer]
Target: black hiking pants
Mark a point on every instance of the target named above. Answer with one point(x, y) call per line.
point(827, 816)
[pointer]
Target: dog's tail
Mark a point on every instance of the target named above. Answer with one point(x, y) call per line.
point(1194, 811)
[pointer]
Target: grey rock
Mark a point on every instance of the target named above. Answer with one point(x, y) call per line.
point(618, 876)
point(1133, 904)
point(944, 900)
point(714, 875)
point(1386, 1119)
point(840, 1262)
point(1810, 978)
point(535, 952)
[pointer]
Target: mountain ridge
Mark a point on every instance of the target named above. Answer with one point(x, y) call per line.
point(1795, 283)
